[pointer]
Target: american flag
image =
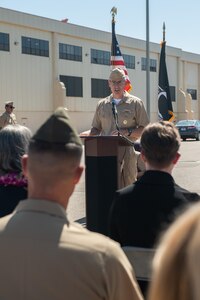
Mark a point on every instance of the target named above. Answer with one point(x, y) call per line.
point(117, 58)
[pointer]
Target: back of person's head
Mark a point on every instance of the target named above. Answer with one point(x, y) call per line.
point(176, 265)
point(55, 149)
point(160, 143)
point(14, 141)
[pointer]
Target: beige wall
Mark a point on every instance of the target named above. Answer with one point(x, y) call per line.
point(32, 81)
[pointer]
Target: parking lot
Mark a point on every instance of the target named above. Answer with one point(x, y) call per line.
point(187, 171)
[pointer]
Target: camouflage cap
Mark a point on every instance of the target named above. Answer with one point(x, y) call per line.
point(117, 74)
point(57, 130)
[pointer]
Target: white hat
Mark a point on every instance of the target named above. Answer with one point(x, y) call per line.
point(116, 74)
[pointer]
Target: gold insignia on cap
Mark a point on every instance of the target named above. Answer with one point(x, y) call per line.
point(125, 122)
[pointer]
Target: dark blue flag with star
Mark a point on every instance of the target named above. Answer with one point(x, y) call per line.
point(165, 109)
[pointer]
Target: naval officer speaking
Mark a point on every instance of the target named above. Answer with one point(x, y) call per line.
point(121, 114)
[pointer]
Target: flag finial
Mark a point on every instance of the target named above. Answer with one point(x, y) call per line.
point(114, 12)
point(163, 31)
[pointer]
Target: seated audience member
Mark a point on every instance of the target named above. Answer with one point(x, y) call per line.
point(176, 265)
point(14, 140)
point(53, 257)
point(141, 210)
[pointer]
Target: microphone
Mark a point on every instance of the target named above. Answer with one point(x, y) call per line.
point(115, 114)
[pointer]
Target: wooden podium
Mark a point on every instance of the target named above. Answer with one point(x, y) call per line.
point(103, 161)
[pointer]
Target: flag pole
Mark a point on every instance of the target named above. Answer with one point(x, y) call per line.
point(117, 60)
point(114, 12)
point(147, 62)
point(163, 31)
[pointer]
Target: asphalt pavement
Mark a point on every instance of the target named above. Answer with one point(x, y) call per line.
point(186, 173)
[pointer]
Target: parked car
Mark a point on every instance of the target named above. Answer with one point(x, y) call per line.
point(189, 129)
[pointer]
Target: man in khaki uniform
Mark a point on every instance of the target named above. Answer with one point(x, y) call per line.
point(131, 117)
point(43, 254)
point(8, 117)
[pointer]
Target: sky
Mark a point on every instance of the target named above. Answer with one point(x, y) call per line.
point(181, 17)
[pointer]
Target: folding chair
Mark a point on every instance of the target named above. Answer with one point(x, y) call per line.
point(140, 259)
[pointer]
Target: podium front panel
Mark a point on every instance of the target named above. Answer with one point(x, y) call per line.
point(103, 160)
point(101, 183)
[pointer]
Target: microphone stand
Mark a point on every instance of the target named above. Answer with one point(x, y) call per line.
point(115, 115)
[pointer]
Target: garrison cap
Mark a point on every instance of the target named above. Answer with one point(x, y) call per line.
point(57, 130)
point(117, 74)
point(9, 103)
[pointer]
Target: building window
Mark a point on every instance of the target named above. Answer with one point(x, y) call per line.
point(35, 46)
point(152, 63)
point(100, 57)
point(193, 93)
point(4, 42)
point(129, 61)
point(74, 85)
point(100, 88)
point(70, 52)
point(172, 90)
point(143, 64)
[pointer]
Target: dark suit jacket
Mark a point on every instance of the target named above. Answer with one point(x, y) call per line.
point(10, 197)
point(142, 210)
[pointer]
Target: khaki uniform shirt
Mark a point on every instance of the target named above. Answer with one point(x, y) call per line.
point(131, 114)
point(44, 256)
point(6, 119)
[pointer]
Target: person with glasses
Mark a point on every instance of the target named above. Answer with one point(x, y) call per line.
point(8, 117)
point(132, 118)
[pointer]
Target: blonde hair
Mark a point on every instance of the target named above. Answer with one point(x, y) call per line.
point(176, 265)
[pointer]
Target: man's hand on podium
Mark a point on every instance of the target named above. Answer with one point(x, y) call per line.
point(122, 131)
point(85, 133)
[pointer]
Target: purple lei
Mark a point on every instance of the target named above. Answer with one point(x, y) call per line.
point(13, 179)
